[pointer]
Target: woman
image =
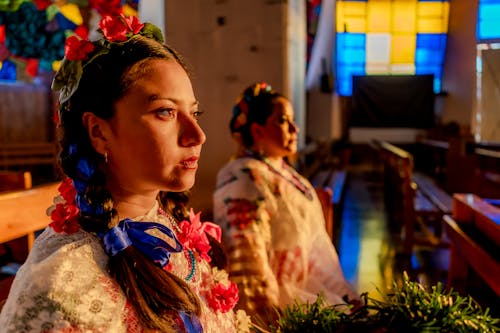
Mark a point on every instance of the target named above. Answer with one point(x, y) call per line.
point(122, 254)
point(271, 219)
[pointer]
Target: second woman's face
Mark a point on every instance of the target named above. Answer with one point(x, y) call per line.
point(156, 140)
point(279, 137)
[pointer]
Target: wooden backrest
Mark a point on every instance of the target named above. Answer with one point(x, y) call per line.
point(15, 180)
point(474, 232)
point(325, 197)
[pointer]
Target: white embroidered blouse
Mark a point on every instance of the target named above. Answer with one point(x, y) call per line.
point(274, 233)
point(64, 287)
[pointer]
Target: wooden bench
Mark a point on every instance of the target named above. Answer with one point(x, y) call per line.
point(415, 204)
point(15, 180)
point(22, 214)
point(474, 233)
point(28, 154)
point(330, 185)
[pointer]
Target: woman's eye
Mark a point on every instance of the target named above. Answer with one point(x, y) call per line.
point(167, 112)
point(282, 120)
point(197, 114)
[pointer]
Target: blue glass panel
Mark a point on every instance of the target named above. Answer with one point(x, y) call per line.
point(344, 77)
point(430, 49)
point(488, 18)
point(351, 58)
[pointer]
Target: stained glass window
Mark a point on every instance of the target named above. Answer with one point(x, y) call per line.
point(390, 37)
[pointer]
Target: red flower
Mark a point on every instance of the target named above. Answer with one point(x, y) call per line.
point(82, 31)
point(65, 218)
point(67, 190)
point(119, 29)
point(77, 49)
point(193, 234)
point(223, 298)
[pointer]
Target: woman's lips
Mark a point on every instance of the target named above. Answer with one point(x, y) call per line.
point(190, 163)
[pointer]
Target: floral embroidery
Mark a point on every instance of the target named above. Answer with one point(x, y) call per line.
point(65, 213)
point(193, 235)
point(120, 30)
point(77, 49)
point(241, 212)
point(222, 295)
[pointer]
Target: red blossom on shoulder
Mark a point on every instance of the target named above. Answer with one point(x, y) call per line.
point(77, 49)
point(194, 234)
point(65, 218)
point(67, 190)
point(223, 297)
point(120, 28)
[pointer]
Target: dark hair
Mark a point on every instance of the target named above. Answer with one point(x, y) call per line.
point(255, 104)
point(157, 295)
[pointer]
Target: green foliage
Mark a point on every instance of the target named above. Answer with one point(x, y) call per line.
point(409, 308)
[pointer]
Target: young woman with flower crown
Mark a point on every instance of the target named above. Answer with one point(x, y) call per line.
point(122, 253)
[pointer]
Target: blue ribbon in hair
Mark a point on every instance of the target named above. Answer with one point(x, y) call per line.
point(129, 232)
point(191, 322)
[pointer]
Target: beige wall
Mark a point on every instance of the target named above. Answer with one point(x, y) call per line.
point(460, 64)
point(230, 44)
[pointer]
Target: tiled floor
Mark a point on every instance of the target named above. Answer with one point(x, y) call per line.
point(368, 251)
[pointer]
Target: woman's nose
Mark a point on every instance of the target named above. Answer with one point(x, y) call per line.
point(293, 127)
point(191, 133)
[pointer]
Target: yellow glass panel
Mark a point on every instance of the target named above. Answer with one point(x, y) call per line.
point(404, 16)
point(403, 48)
point(432, 17)
point(72, 13)
point(379, 16)
point(351, 17)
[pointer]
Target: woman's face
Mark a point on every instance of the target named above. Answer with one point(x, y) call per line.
point(278, 137)
point(156, 140)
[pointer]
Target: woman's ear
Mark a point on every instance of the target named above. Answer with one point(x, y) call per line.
point(257, 131)
point(98, 130)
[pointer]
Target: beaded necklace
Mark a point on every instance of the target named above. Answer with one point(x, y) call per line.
point(187, 252)
point(295, 181)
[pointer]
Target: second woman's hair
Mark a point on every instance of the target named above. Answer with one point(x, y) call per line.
point(254, 105)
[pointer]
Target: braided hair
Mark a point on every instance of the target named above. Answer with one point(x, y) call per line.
point(156, 294)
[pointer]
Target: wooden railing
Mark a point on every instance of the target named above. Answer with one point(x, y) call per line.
point(412, 200)
point(474, 232)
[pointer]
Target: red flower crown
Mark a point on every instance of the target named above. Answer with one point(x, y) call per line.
point(80, 52)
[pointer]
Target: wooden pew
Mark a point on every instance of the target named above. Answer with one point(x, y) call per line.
point(13, 155)
point(415, 204)
point(22, 214)
point(474, 232)
point(487, 175)
point(330, 185)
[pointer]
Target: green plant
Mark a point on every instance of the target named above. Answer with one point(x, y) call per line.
point(408, 308)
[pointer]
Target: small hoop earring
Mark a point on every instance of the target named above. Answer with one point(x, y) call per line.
point(106, 157)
